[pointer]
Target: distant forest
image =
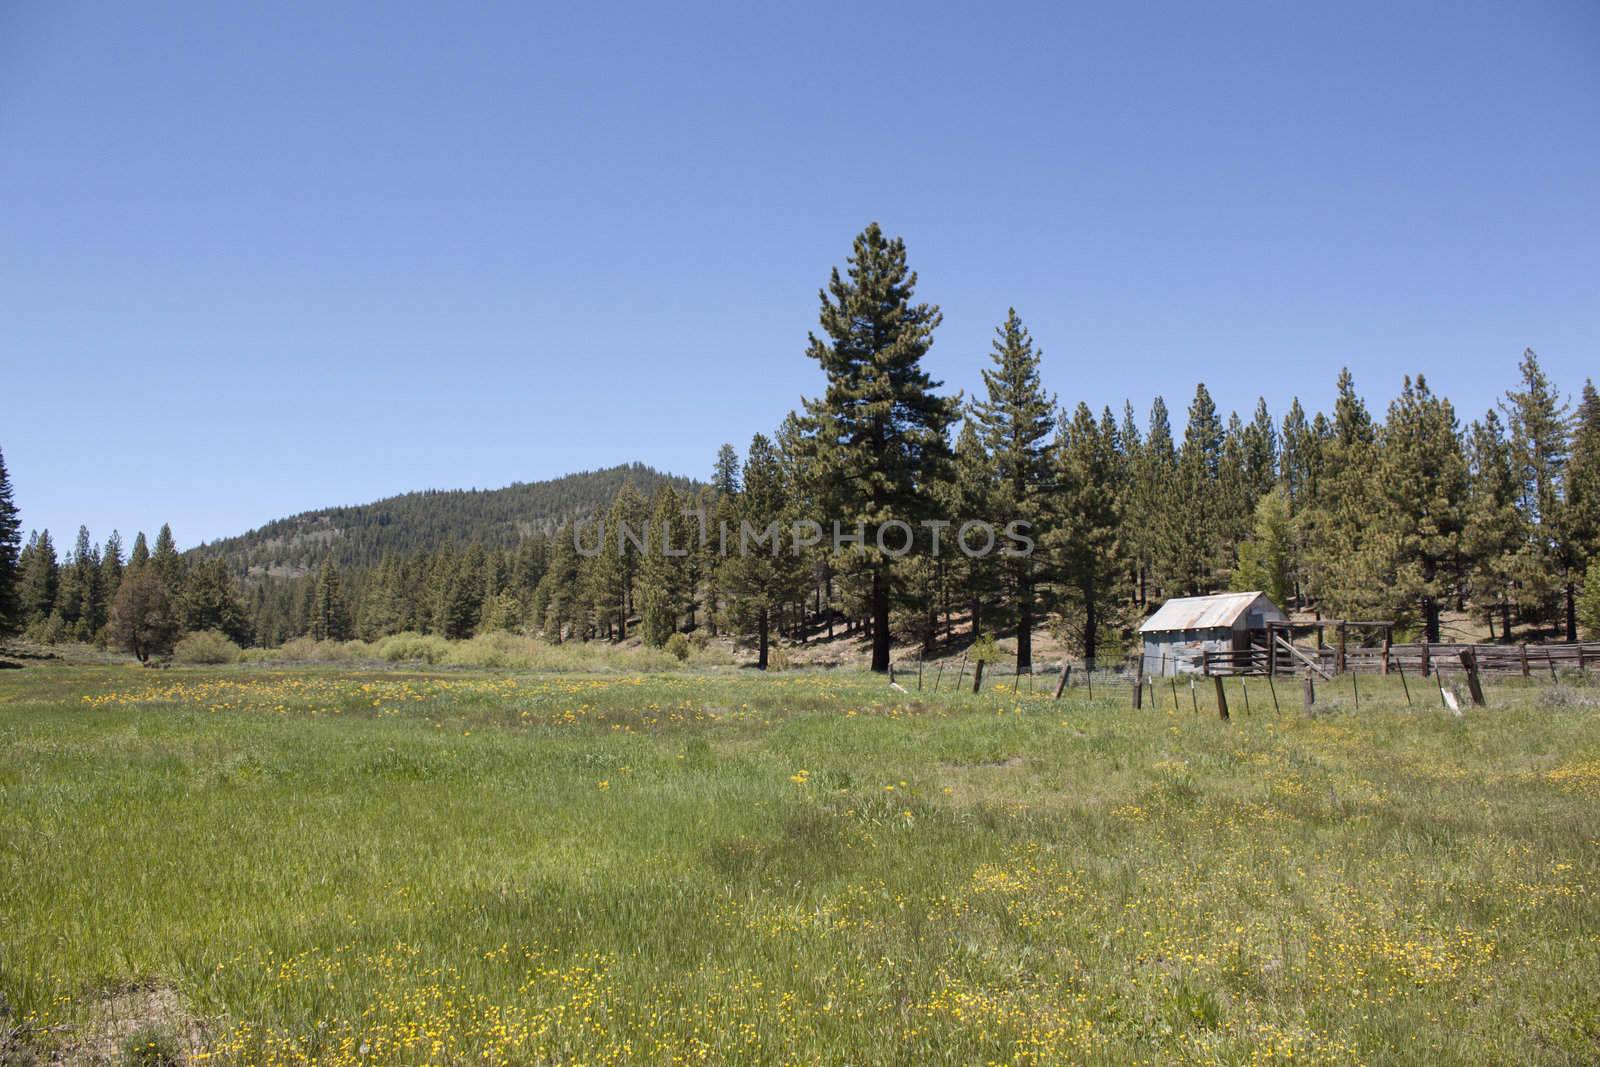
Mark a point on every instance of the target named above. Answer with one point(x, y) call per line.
point(1401, 513)
point(360, 536)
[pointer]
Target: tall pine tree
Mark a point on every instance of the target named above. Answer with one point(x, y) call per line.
point(1015, 419)
point(10, 557)
point(880, 426)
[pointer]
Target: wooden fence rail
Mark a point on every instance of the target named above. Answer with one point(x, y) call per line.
point(1414, 659)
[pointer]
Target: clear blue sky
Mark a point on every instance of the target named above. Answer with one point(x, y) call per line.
point(256, 259)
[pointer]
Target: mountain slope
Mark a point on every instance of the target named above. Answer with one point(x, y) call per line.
point(358, 536)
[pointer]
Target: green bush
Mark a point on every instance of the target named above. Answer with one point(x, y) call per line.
point(410, 647)
point(310, 650)
point(677, 645)
point(152, 1046)
point(48, 631)
point(206, 646)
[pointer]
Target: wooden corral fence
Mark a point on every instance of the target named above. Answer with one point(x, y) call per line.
point(1420, 659)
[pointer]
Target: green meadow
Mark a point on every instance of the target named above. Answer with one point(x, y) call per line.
point(337, 866)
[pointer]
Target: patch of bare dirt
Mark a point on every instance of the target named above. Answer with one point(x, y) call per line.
point(151, 1016)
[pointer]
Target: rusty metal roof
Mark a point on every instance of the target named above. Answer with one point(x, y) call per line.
point(1219, 611)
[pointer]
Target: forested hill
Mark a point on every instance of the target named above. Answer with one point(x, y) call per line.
point(426, 521)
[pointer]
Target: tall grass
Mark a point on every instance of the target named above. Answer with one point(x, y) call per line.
point(388, 866)
point(496, 650)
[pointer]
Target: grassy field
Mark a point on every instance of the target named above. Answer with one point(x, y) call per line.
point(322, 865)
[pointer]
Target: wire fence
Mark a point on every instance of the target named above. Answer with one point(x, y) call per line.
point(1172, 684)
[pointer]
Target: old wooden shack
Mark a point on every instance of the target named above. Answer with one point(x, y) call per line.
point(1177, 637)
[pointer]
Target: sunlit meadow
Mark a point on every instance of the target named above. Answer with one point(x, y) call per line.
point(329, 866)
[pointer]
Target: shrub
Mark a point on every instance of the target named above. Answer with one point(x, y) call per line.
point(410, 647)
point(310, 650)
point(152, 1046)
point(48, 631)
point(206, 646)
point(677, 645)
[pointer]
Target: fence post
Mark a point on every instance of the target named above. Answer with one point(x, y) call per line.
point(1340, 668)
point(1222, 697)
point(977, 677)
point(1523, 650)
point(1427, 659)
point(1469, 661)
point(1138, 683)
point(1310, 690)
point(1061, 682)
point(1388, 644)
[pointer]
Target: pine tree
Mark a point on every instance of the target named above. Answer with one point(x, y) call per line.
point(613, 572)
point(140, 554)
point(1193, 540)
point(1260, 440)
point(880, 427)
point(89, 606)
point(1082, 538)
point(1537, 421)
point(725, 477)
point(700, 564)
point(40, 579)
point(1580, 514)
point(1299, 463)
point(1266, 560)
point(211, 602)
point(968, 496)
point(456, 592)
point(663, 579)
point(328, 619)
point(1345, 555)
point(382, 610)
point(1297, 467)
point(1422, 475)
point(1236, 494)
point(1493, 534)
point(111, 568)
point(168, 564)
point(10, 557)
point(556, 599)
point(1152, 503)
point(1015, 421)
point(502, 613)
point(761, 575)
point(1589, 603)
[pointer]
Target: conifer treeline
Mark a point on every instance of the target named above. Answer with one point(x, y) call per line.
point(1400, 515)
